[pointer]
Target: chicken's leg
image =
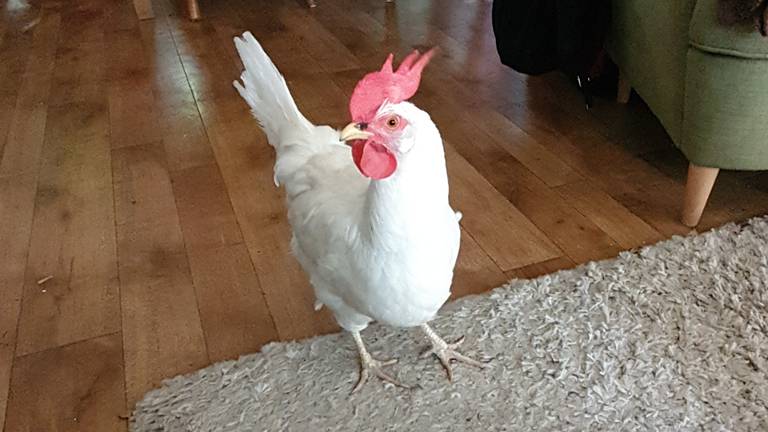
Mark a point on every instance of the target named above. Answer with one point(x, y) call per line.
point(370, 365)
point(446, 352)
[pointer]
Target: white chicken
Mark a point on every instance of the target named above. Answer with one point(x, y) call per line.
point(379, 242)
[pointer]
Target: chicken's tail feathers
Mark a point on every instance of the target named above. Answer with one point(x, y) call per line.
point(265, 91)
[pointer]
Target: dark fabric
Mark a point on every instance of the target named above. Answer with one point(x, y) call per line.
point(732, 12)
point(582, 26)
point(537, 36)
point(526, 34)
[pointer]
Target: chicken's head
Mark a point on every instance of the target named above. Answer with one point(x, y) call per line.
point(380, 132)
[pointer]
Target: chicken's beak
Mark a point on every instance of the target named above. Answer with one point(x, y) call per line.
point(353, 132)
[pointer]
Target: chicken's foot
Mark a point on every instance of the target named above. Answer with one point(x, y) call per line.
point(446, 352)
point(370, 365)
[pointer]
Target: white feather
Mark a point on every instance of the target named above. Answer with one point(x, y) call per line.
point(374, 250)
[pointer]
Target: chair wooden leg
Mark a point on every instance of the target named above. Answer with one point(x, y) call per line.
point(143, 9)
point(624, 90)
point(193, 10)
point(697, 189)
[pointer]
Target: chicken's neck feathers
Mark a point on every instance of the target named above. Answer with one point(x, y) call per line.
point(400, 208)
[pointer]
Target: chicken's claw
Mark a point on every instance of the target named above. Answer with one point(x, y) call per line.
point(447, 352)
point(370, 365)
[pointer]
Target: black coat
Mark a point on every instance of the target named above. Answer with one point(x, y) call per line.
point(537, 36)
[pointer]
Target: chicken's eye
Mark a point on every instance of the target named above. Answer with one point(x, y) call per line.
point(393, 122)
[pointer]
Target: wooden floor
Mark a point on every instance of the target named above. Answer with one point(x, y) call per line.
point(134, 180)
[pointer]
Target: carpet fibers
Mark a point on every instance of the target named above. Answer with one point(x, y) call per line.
point(673, 337)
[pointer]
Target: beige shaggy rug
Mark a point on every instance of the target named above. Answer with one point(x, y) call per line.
point(673, 337)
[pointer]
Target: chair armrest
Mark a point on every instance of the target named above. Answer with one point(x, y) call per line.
point(709, 35)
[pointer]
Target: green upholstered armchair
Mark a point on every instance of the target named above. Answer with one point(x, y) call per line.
point(707, 84)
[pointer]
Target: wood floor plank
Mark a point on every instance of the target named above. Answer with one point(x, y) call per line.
point(16, 207)
point(86, 18)
point(143, 192)
point(78, 387)
point(229, 24)
point(209, 70)
point(19, 159)
point(119, 23)
point(261, 18)
point(448, 79)
point(289, 56)
point(595, 157)
point(541, 162)
point(234, 315)
point(24, 137)
point(25, 141)
point(73, 236)
point(614, 219)
point(534, 165)
point(181, 129)
point(328, 97)
point(6, 364)
point(133, 120)
point(233, 310)
point(632, 125)
point(648, 194)
point(162, 333)
point(120, 15)
point(475, 271)
point(14, 52)
point(17, 195)
point(493, 221)
point(539, 269)
point(247, 170)
point(322, 45)
point(205, 211)
point(80, 61)
point(583, 150)
point(579, 238)
point(7, 103)
point(363, 36)
point(225, 281)
point(80, 71)
point(286, 49)
point(335, 115)
point(733, 196)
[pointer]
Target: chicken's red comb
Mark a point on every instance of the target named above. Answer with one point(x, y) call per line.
point(376, 87)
